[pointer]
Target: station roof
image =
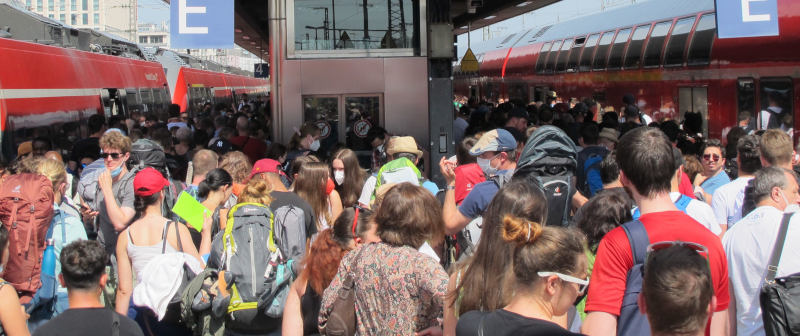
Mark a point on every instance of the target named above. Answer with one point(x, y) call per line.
point(251, 22)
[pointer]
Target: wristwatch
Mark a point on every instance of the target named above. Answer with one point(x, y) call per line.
point(451, 187)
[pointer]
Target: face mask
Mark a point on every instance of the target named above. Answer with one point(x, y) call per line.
point(314, 146)
point(338, 176)
point(116, 172)
point(790, 207)
point(486, 166)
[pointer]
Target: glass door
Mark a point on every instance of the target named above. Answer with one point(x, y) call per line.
point(346, 120)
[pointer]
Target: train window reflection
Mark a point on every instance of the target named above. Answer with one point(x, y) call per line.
point(572, 64)
point(633, 57)
point(673, 56)
point(652, 53)
point(562, 56)
point(369, 24)
point(602, 51)
point(588, 49)
point(542, 57)
point(746, 99)
point(618, 49)
point(700, 47)
point(776, 99)
point(551, 60)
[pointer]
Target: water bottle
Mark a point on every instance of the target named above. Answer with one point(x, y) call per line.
point(49, 259)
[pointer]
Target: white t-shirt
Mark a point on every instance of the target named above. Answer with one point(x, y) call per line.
point(367, 190)
point(727, 201)
point(701, 212)
point(748, 245)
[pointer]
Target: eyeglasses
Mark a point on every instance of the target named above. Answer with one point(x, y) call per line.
point(112, 155)
point(654, 247)
point(711, 157)
point(582, 284)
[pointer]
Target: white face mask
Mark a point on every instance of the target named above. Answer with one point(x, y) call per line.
point(486, 166)
point(314, 146)
point(790, 207)
point(338, 176)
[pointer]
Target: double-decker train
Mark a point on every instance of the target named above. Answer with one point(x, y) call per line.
point(53, 77)
point(664, 52)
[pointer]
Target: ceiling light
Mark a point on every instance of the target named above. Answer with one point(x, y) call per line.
point(524, 4)
point(237, 30)
point(489, 17)
point(245, 37)
point(252, 43)
point(258, 47)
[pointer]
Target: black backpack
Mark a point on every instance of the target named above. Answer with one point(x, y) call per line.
point(549, 160)
point(147, 153)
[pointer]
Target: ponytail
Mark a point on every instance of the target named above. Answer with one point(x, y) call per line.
point(215, 179)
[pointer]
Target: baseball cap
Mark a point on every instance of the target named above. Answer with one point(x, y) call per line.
point(497, 140)
point(25, 148)
point(404, 144)
point(265, 166)
point(148, 181)
point(221, 146)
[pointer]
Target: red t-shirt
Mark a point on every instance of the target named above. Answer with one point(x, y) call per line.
point(686, 187)
point(614, 259)
point(254, 149)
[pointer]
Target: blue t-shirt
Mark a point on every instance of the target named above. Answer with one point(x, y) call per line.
point(478, 199)
point(711, 184)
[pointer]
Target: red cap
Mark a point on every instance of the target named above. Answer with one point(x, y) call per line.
point(148, 181)
point(265, 166)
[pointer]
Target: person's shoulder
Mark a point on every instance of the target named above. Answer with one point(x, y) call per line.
point(128, 327)
point(468, 322)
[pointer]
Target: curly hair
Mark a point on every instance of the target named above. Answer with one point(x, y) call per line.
point(117, 141)
point(237, 164)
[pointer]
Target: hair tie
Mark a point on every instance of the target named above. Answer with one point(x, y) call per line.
point(529, 231)
point(355, 221)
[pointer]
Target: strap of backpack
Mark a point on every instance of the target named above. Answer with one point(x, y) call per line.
point(177, 235)
point(637, 236)
point(774, 260)
point(164, 237)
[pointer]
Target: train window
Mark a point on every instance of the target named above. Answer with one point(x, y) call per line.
point(551, 60)
point(673, 56)
point(694, 99)
point(776, 96)
point(574, 55)
point(134, 101)
point(588, 49)
point(601, 54)
point(542, 57)
point(700, 47)
point(652, 53)
point(746, 99)
point(147, 99)
point(633, 58)
point(561, 65)
point(618, 49)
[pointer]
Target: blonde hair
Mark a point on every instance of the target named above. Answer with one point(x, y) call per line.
point(237, 164)
point(256, 191)
point(53, 170)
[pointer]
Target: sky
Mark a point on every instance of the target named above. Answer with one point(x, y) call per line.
point(153, 11)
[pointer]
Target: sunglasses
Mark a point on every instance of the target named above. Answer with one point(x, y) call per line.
point(112, 155)
point(582, 284)
point(654, 247)
point(711, 157)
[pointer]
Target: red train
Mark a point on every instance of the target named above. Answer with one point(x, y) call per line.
point(51, 90)
point(666, 53)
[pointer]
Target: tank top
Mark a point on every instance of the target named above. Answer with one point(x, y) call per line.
point(310, 304)
point(140, 256)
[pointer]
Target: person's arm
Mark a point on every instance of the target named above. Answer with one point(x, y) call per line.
point(186, 240)
point(454, 220)
point(119, 215)
point(205, 234)
point(336, 205)
point(12, 314)
point(720, 324)
point(450, 320)
point(125, 275)
point(599, 324)
point(292, 324)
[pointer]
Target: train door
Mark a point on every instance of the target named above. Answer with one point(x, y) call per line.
point(694, 99)
point(113, 103)
point(776, 95)
point(345, 119)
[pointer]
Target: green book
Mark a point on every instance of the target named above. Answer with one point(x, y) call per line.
point(192, 211)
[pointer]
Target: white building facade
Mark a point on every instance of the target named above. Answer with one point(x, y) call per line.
point(114, 16)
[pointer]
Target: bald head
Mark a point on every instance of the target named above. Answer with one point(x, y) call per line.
point(203, 162)
point(242, 125)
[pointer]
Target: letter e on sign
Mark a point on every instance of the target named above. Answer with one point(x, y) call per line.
point(747, 18)
point(201, 24)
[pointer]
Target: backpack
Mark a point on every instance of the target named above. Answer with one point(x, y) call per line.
point(468, 238)
point(26, 209)
point(398, 171)
point(681, 203)
point(290, 231)
point(197, 300)
point(631, 320)
point(148, 153)
point(257, 274)
point(549, 160)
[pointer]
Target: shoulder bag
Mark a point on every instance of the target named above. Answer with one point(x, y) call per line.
point(780, 298)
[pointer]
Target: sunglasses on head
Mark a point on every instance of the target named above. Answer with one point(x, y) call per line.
point(711, 157)
point(355, 219)
point(582, 284)
point(112, 155)
point(654, 247)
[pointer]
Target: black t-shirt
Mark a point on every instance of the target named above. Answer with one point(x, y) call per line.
point(502, 322)
point(87, 321)
point(89, 147)
point(282, 198)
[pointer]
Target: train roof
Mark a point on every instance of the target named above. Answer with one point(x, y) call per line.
point(643, 12)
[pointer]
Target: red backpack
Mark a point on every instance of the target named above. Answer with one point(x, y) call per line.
point(26, 208)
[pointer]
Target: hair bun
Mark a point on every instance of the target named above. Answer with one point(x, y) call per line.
point(520, 231)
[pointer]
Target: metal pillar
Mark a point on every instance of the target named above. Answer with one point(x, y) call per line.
point(277, 29)
point(440, 84)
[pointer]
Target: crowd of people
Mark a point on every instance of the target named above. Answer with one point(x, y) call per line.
point(656, 229)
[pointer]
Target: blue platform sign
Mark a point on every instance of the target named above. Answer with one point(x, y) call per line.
point(747, 18)
point(201, 24)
